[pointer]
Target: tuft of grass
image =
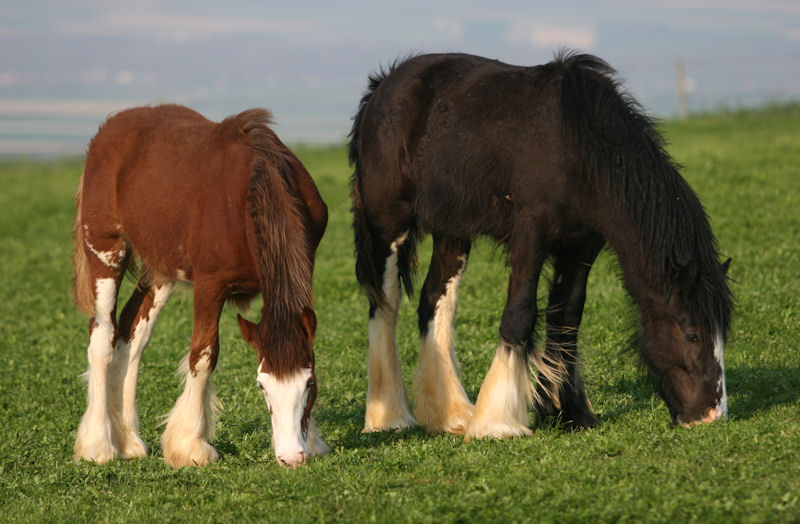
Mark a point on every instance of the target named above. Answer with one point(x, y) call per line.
point(634, 466)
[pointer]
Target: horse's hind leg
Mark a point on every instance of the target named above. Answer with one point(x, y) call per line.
point(501, 409)
point(387, 403)
point(560, 392)
point(103, 260)
point(136, 324)
point(441, 402)
point(190, 424)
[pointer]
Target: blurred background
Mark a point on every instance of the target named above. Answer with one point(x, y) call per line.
point(65, 66)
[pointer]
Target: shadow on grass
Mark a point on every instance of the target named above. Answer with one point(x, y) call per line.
point(750, 391)
point(340, 428)
point(349, 423)
point(228, 446)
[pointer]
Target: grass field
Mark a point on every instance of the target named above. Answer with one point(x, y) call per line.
point(633, 467)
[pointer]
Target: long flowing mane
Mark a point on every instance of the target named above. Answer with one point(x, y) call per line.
point(284, 262)
point(627, 158)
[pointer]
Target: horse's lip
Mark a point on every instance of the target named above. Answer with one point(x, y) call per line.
point(712, 415)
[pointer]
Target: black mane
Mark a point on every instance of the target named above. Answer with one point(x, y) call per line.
point(624, 153)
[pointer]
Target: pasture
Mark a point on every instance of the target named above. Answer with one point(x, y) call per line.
point(633, 466)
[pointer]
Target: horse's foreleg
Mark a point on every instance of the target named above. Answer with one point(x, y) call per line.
point(95, 439)
point(387, 403)
point(190, 424)
point(441, 402)
point(560, 392)
point(135, 327)
point(501, 409)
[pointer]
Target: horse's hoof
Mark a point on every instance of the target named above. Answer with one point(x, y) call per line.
point(98, 452)
point(455, 420)
point(385, 422)
point(134, 448)
point(198, 453)
point(497, 429)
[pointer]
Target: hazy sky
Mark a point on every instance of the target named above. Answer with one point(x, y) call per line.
point(64, 65)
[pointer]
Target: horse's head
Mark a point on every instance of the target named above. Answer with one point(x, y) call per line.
point(685, 360)
point(286, 377)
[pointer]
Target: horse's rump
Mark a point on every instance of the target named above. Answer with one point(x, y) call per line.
point(472, 133)
point(174, 182)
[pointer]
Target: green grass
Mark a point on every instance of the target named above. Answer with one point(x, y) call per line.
point(633, 467)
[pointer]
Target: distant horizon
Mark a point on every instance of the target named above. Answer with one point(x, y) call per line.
point(66, 67)
point(39, 147)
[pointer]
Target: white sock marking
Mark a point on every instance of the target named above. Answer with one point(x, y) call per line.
point(442, 403)
point(387, 403)
point(94, 439)
point(190, 425)
point(125, 373)
point(501, 410)
point(719, 349)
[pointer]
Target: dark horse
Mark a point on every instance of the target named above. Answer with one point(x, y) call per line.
point(227, 208)
point(552, 162)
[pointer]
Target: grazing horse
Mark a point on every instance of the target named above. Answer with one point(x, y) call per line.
point(227, 208)
point(552, 162)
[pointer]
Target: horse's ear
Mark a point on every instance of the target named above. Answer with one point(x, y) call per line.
point(248, 329)
point(309, 321)
point(725, 266)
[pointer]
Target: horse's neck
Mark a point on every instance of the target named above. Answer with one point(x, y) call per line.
point(644, 280)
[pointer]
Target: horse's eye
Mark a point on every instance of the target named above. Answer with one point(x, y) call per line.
point(310, 383)
point(692, 337)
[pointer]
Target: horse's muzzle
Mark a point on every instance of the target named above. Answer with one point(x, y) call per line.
point(293, 461)
point(711, 415)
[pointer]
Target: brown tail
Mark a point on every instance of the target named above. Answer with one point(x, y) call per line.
point(82, 293)
point(286, 266)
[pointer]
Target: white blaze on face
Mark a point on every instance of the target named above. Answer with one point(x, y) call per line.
point(286, 400)
point(722, 407)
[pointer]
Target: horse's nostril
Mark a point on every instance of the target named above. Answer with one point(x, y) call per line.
point(298, 460)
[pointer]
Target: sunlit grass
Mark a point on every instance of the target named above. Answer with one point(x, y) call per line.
point(634, 466)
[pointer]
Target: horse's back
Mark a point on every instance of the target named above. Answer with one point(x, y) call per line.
point(463, 136)
point(169, 178)
point(166, 144)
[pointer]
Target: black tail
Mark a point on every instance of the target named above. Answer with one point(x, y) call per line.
point(371, 256)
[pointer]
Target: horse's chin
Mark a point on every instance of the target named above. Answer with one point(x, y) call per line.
point(711, 415)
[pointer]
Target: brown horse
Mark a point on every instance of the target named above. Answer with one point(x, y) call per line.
point(227, 208)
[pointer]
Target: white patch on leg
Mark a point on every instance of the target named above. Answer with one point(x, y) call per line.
point(501, 410)
point(387, 402)
point(190, 425)
point(94, 440)
point(441, 402)
point(111, 259)
point(124, 376)
point(721, 409)
point(286, 400)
